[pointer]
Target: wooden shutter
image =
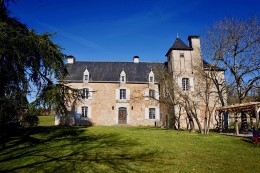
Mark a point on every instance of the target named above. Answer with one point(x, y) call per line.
point(89, 111)
point(157, 95)
point(146, 94)
point(157, 113)
point(117, 94)
point(146, 113)
point(191, 84)
point(90, 93)
point(180, 82)
point(127, 94)
point(79, 111)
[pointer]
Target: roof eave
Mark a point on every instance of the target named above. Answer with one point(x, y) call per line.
point(190, 49)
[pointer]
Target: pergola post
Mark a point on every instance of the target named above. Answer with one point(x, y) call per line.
point(243, 108)
point(236, 123)
point(220, 120)
point(257, 110)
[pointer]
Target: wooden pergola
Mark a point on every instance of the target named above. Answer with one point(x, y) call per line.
point(252, 109)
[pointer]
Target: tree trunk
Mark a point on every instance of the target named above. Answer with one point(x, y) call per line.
point(199, 124)
point(191, 123)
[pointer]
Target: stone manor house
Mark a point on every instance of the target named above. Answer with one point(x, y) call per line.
point(118, 93)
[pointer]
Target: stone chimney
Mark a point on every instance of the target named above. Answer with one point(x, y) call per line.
point(71, 59)
point(194, 41)
point(136, 59)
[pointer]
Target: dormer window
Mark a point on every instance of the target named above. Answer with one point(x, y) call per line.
point(151, 77)
point(86, 76)
point(122, 77)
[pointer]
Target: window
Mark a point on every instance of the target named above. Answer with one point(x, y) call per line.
point(85, 93)
point(182, 55)
point(152, 93)
point(151, 79)
point(122, 93)
point(151, 113)
point(86, 77)
point(185, 84)
point(84, 111)
point(122, 77)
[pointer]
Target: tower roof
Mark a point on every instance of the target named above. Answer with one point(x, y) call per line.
point(179, 45)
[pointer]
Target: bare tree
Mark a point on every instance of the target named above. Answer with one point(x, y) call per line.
point(211, 92)
point(234, 44)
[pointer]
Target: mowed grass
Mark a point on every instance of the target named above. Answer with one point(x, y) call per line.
point(126, 149)
point(46, 120)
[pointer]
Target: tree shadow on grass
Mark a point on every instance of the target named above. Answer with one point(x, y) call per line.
point(71, 149)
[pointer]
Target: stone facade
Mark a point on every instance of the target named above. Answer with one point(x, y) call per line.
point(118, 93)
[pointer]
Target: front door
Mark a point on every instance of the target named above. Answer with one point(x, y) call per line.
point(122, 116)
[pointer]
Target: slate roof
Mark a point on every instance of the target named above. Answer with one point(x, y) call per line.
point(179, 45)
point(110, 71)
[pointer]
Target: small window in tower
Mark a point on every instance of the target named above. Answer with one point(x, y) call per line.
point(182, 55)
point(185, 84)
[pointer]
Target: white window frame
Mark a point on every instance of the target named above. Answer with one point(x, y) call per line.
point(123, 77)
point(185, 84)
point(152, 113)
point(84, 111)
point(151, 93)
point(86, 76)
point(151, 77)
point(122, 94)
point(85, 93)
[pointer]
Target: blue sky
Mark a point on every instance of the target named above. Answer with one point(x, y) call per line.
point(117, 30)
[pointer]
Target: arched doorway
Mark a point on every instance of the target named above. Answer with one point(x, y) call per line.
point(122, 115)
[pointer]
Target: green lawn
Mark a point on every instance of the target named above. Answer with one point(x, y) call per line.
point(46, 120)
point(126, 149)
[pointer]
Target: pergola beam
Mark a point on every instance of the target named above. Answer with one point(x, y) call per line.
point(252, 108)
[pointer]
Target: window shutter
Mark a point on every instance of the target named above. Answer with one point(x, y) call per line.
point(128, 94)
point(157, 113)
point(157, 95)
point(90, 92)
point(117, 94)
point(146, 94)
point(79, 111)
point(180, 82)
point(89, 112)
point(146, 113)
point(191, 84)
